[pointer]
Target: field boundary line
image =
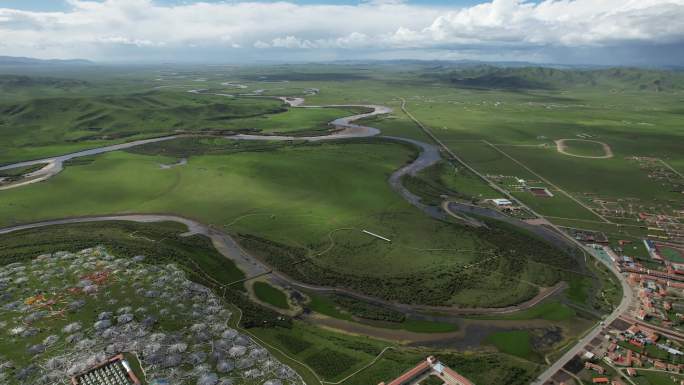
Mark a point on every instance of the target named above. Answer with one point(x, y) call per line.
point(567, 194)
point(671, 168)
point(363, 368)
point(457, 158)
point(264, 343)
point(627, 293)
point(590, 221)
point(318, 378)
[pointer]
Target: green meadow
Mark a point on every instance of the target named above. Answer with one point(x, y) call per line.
point(270, 295)
point(551, 310)
point(53, 126)
point(288, 196)
point(336, 356)
point(301, 207)
point(645, 377)
point(516, 343)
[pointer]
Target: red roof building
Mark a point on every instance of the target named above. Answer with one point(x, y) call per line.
point(597, 368)
point(642, 314)
point(432, 366)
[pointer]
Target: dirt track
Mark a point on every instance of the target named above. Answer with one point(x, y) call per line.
point(562, 148)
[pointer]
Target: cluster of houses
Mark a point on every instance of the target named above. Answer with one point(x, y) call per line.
point(600, 370)
point(656, 303)
point(618, 354)
point(640, 336)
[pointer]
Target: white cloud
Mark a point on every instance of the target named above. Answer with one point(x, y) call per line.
point(128, 41)
point(91, 28)
point(563, 23)
point(261, 45)
point(292, 42)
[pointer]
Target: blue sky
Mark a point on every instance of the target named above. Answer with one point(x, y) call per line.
point(629, 32)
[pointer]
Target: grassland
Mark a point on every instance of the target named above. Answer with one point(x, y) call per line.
point(657, 378)
point(336, 356)
point(325, 305)
point(53, 126)
point(309, 202)
point(329, 353)
point(161, 243)
point(270, 295)
point(524, 125)
point(370, 315)
point(63, 124)
point(462, 115)
point(551, 310)
point(127, 239)
point(632, 117)
point(285, 198)
point(448, 179)
point(296, 121)
point(672, 254)
point(396, 124)
point(517, 343)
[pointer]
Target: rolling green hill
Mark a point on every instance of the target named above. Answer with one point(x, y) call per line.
point(486, 76)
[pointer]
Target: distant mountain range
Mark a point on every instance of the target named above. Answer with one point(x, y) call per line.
point(27, 61)
point(505, 64)
point(536, 77)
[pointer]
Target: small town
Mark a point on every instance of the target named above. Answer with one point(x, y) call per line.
point(649, 335)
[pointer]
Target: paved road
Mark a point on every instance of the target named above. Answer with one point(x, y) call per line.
point(596, 330)
point(548, 182)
